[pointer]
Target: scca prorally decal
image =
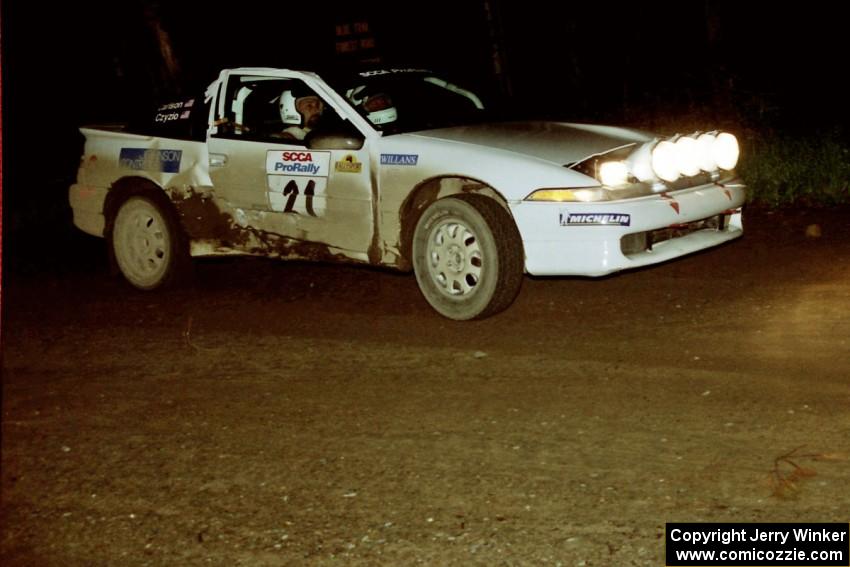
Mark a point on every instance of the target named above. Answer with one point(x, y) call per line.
point(399, 159)
point(595, 219)
point(304, 163)
point(165, 161)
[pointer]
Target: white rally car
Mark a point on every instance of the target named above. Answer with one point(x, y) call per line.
point(398, 168)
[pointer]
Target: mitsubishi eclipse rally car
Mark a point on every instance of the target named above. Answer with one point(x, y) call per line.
point(398, 168)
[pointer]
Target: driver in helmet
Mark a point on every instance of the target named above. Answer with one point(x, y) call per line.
point(377, 106)
point(302, 111)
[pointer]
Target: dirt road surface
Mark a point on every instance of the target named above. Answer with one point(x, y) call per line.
point(302, 414)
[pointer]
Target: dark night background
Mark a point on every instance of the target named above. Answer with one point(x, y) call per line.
point(746, 67)
point(287, 413)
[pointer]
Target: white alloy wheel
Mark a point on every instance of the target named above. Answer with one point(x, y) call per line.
point(453, 255)
point(467, 255)
point(144, 243)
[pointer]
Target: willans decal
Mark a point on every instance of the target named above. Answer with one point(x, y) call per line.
point(399, 159)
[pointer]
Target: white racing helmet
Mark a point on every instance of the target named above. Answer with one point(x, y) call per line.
point(378, 106)
point(288, 113)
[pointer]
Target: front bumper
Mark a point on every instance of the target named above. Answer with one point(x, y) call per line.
point(595, 239)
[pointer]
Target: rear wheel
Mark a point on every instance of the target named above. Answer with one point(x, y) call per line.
point(468, 258)
point(147, 243)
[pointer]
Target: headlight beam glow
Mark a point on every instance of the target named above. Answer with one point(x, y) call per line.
point(664, 161)
point(725, 151)
point(613, 173)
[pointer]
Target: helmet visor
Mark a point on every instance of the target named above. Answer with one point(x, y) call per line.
point(377, 102)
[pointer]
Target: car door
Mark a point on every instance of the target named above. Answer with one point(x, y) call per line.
point(319, 195)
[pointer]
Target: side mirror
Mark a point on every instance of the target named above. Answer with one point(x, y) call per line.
point(346, 137)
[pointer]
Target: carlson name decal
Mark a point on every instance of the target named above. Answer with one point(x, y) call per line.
point(399, 159)
point(594, 219)
point(309, 164)
point(174, 111)
point(165, 161)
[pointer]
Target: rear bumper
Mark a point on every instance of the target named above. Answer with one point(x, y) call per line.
point(87, 205)
point(595, 239)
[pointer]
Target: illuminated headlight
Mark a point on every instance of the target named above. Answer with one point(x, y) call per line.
point(640, 163)
point(705, 145)
point(665, 161)
point(613, 173)
point(687, 156)
point(725, 151)
point(585, 195)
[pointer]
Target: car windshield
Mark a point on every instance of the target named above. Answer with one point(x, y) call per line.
point(407, 100)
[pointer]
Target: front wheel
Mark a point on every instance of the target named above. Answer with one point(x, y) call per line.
point(468, 257)
point(147, 243)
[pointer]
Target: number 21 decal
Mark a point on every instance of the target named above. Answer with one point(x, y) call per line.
point(291, 190)
point(298, 195)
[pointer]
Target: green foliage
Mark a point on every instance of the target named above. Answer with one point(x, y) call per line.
point(783, 169)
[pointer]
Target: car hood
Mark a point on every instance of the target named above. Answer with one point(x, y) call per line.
point(559, 142)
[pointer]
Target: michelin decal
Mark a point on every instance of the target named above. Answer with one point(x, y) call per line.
point(595, 219)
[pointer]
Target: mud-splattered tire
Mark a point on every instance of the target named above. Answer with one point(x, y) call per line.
point(468, 257)
point(147, 243)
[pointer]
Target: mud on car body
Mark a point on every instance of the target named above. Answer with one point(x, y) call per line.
point(401, 169)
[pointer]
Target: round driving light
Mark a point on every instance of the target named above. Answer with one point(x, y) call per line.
point(687, 156)
point(613, 173)
point(640, 163)
point(705, 143)
point(664, 161)
point(725, 151)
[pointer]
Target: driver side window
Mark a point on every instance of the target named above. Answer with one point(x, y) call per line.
point(272, 109)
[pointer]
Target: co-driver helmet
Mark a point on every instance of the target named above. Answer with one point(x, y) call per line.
point(378, 106)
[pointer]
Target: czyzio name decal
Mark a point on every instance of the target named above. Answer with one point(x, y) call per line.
point(165, 161)
point(308, 164)
point(174, 111)
point(595, 219)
